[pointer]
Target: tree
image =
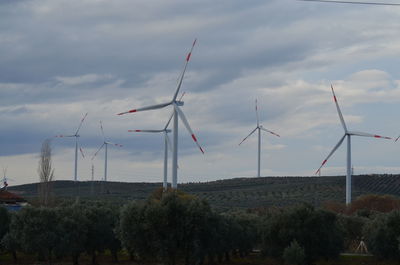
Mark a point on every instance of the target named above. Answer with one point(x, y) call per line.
point(4, 222)
point(172, 227)
point(382, 234)
point(73, 232)
point(46, 173)
point(352, 227)
point(317, 231)
point(294, 254)
point(100, 231)
point(36, 230)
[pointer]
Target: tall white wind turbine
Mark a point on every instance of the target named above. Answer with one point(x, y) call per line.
point(167, 145)
point(76, 135)
point(258, 128)
point(176, 104)
point(105, 144)
point(347, 134)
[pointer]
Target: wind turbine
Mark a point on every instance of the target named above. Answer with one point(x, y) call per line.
point(105, 143)
point(176, 104)
point(258, 128)
point(76, 135)
point(347, 134)
point(167, 145)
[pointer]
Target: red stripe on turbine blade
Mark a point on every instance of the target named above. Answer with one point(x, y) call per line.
point(384, 137)
point(201, 149)
point(334, 98)
point(323, 163)
point(194, 137)
point(129, 111)
point(138, 130)
point(188, 57)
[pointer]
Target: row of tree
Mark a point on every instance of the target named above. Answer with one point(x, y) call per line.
point(177, 228)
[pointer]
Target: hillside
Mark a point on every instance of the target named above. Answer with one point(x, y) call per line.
point(233, 193)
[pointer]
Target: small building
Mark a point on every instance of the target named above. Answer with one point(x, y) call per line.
point(11, 201)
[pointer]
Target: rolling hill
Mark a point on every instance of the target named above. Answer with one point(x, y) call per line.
point(231, 193)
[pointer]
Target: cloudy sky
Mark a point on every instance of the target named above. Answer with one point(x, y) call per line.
point(62, 58)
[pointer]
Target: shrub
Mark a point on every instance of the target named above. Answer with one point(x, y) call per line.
point(294, 254)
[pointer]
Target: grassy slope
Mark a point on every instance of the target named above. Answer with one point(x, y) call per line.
point(234, 193)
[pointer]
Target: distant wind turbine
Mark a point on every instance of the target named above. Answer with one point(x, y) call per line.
point(105, 143)
point(177, 112)
point(5, 178)
point(347, 134)
point(76, 135)
point(258, 128)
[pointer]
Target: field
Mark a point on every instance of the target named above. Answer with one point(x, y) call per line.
point(253, 259)
point(238, 193)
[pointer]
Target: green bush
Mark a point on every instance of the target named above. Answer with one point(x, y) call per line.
point(316, 230)
point(294, 254)
point(382, 235)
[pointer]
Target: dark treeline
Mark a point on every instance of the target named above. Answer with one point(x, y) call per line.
point(177, 228)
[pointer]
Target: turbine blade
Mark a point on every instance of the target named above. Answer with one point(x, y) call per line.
point(331, 153)
point(352, 2)
point(183, 94)
point(186, 123)
point(368, 135)
point(147, 131)
point(80, 149)
point(397, 138)
point(258, 118)
point(184, 70)
point(271, 132)
point(80, 124)
point(118, 145)
point(338, 110)
point(168, 142)
point(98, 150)
point(62, 136)
point(169, 120)
point(248, 136)
point(102, 131)
point(152, 107)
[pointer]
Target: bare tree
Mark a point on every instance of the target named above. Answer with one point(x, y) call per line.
point(46, 173)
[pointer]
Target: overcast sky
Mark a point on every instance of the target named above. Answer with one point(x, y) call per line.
point(62, 58)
